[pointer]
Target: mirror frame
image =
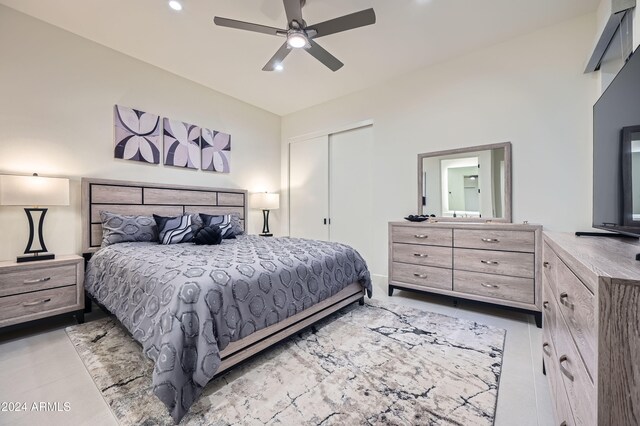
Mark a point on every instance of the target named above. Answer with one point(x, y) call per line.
point(507, 184)
point(627, 176)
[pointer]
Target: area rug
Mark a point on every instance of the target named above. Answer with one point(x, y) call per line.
point(371, 364)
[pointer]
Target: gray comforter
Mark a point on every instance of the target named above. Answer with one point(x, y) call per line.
point(185, 303)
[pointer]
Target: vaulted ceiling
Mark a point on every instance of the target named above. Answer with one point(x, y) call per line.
point(409, 34)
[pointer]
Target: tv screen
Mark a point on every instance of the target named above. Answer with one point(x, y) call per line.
point(617, 108)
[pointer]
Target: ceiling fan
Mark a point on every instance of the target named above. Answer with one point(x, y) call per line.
point(302, 36)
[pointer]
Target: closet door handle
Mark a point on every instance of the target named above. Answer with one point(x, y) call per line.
point(545, 347)
point(489, 262)
point(325, 220)
point(420, 255)
point(566, 372)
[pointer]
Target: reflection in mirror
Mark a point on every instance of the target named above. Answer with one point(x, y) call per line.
point(635, 169)
point(466, 183)
point(631, 175)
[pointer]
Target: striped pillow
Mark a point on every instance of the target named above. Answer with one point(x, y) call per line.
point(229, 224)
point(174, 230)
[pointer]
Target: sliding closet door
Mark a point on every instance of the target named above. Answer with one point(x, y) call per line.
point(351, 188)
point(309, 188)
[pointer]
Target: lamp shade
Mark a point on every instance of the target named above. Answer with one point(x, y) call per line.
point(265, 201)
point(33, 191)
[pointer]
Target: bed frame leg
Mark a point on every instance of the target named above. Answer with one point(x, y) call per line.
point(361, 301)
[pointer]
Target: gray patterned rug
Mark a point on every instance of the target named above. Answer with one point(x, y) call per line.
point(372, 364)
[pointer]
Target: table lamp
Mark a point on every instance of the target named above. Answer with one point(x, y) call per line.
point(34, 191)
point(265, 201)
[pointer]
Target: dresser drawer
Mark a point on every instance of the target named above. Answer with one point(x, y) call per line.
point(562, 408)
point(37, 278)
point(494, 262)
point(549, 310)
point(549, 262)
point(422, 235)
point(423, 255)
point(422, 275)
point(573, 374)
point(521, 241)
point(496, 286)
point(37, 302)
point(577, 305)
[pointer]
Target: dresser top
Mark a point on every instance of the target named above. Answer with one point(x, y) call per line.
point(40, 263)
point(471, 225)
point(602, 256)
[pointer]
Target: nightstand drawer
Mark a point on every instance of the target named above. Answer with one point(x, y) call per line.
point(37, 278)
point(37, 302)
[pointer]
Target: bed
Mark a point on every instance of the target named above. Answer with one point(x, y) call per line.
point(199, 310)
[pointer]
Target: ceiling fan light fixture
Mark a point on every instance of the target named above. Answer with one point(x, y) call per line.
point(296, 40)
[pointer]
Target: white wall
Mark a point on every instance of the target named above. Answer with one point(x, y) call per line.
point(57, 93)
point(530, 90)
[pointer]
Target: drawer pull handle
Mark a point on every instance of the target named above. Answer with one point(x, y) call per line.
point(37, 302)
point(490, 240)
point(564, 423)
point(489, 262)
point(36, 281)
point(421, 236)
point(545, 305)
point(564, 299)
point(545, 264)
point(420, 255)
point(420, 275)
point(489, 285)
point(545, 347)
point(566, 372)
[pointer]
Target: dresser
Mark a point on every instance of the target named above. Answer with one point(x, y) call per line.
point(591, 333)
point(35, 290)
point(497, 263)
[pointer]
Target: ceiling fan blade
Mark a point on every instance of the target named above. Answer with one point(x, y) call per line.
point(277, 58)
point(323, 56)
point(248, 26)
point(344, 23)
point(293, 9)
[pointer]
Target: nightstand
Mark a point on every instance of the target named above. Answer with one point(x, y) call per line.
point(35, 290)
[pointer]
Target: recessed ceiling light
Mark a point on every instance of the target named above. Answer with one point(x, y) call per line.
point(279, 67)
point(175, 5)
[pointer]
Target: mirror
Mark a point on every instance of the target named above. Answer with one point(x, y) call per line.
point(631, 175)
point(467, 184)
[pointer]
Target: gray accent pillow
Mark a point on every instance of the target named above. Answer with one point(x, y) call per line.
point(117, 228)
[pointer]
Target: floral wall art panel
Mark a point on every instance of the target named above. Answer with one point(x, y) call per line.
point(216, 151)
point(181, 144)
point(137, 135)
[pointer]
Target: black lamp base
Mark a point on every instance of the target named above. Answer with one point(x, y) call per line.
point(266, 235)
point(35, 257)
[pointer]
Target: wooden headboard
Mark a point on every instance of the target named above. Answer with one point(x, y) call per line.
point(137, 198)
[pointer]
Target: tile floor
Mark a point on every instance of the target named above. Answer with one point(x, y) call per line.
point(39, 364)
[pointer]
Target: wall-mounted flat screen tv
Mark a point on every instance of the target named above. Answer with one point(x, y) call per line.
point(618, 110)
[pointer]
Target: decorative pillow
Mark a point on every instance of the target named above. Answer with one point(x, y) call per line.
point(174, 230)
point(229, 224)
point(208, 235)
point(118, 228)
